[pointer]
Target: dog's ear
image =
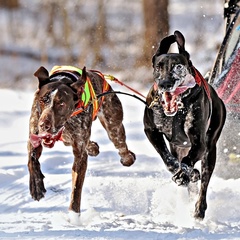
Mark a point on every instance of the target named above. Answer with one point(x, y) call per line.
point(84, 74)
point(164, 46)
point(78, 86)
point(181, 44)
point(42, 75)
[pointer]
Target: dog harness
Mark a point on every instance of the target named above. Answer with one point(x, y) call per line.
point(200, 80)
point(88, 93)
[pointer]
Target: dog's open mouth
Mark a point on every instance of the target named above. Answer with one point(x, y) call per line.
point(171, 101)
point(47, 139)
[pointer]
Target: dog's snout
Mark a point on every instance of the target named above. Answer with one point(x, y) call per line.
point(165, 85)
point(45, 125)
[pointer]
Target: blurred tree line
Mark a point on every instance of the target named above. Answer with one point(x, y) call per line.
point(103, 34)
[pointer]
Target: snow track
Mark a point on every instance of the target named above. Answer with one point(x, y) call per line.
point(139, 202)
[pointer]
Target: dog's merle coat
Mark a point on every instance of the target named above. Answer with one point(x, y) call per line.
point(188, 113)
point(52, 118)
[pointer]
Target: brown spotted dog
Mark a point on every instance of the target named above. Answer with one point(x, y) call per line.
point(187, 112)
point(64, 107)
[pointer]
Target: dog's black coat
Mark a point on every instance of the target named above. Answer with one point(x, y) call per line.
point(191, 121)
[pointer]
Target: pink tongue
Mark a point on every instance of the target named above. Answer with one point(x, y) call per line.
point(170, 99)
point(36, 139)
point(189, 82)
point(180, 90)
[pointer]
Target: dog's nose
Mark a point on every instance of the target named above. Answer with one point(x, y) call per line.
point(165, 85)
point(45, 125)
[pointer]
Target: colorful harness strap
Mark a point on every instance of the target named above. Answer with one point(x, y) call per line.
point(201, 81)
point(88, 95)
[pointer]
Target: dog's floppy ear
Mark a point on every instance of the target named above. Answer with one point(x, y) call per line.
point(181, 44)
point(164, 46)
point(78, 86)
point(84, 74)
point(42, 75)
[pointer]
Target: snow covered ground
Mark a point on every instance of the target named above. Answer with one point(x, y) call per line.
point(140, 202)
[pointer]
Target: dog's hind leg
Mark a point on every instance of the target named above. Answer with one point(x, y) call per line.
point(209, 159)
point(208, 165)
point(111, 117)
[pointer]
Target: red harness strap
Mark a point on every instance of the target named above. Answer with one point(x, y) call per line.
point(201, 81)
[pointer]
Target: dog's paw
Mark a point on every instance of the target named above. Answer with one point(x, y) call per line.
point(37, 189)
point(128, 159)
point(181, 177)
point(92, 149)
point(185, 174)
point(194, 175)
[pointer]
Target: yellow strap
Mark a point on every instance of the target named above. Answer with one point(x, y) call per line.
point(65, 68)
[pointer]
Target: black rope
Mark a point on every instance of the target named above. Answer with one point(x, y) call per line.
point(118, 92)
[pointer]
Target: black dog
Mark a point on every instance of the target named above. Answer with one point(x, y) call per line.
point(185, 110)
point(64, 107)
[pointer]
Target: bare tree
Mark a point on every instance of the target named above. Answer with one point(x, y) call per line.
point(156, 27)
point(10, 4)
point(100, 34)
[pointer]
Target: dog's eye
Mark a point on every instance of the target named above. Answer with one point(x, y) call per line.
point(44, 100)
point(61, 104)
point(158, 66)
point(179, 67)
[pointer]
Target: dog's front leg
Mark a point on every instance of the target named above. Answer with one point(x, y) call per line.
point(197, 136)
point(157, 140)
point(36, 185)
point(78, 175)
point(186, 172)
point(79, 130)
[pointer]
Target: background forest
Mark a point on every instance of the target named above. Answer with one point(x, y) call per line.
point(119, 37)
